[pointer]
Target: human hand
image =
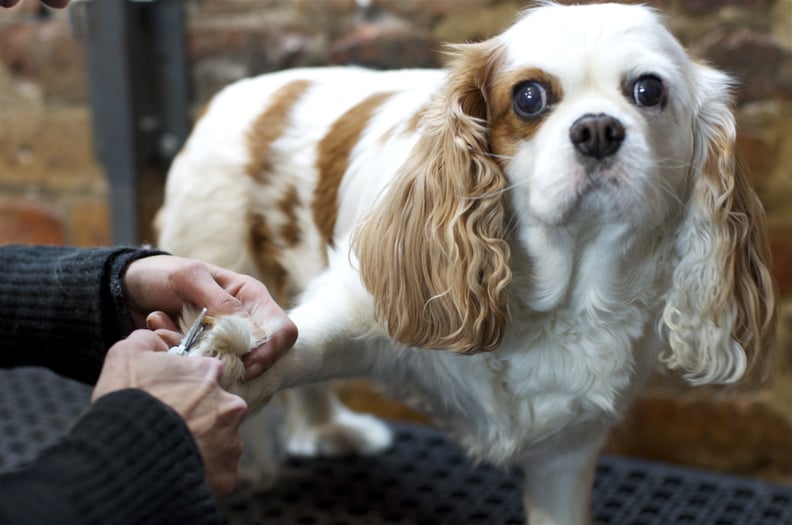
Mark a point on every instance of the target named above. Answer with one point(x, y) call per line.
point(158, 287)
point(50, 3)
point(189, 386)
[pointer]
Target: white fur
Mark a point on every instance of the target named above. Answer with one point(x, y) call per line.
point(592, 263)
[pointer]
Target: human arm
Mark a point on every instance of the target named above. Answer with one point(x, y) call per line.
point(63, 307)
point(129, 460)
point(190, 386)
point(159, 437)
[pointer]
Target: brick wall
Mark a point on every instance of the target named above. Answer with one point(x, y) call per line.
point(52, 190)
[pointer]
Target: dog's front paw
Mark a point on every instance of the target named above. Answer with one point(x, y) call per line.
point(226, 338)
point(347, 433)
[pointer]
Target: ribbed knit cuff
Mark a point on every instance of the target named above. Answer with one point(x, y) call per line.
point(132, 460)
point(118, 322)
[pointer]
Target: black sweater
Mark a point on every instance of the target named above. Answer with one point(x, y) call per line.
point(130, 459)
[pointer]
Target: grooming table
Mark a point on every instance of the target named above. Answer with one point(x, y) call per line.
point(423, 479)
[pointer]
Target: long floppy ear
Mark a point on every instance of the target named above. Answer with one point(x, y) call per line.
point(720, 311)
point(432, 252)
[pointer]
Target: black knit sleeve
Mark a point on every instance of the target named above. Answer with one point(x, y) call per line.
point(63, 307)
point(129, 460)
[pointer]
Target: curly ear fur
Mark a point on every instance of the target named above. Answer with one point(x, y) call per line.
point(432, 253)
point(721, 308)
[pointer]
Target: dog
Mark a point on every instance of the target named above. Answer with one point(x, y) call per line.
point(514, 243)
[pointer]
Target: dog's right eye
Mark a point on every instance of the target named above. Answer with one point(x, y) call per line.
point(530, 99)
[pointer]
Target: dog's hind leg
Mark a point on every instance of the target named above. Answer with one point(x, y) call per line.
point(332, 317)
point(335, 334)
point(318, 423)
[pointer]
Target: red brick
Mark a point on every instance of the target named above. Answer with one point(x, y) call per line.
point(29, 222)
point(737, 434)
point(89, 221)
point(421, 9)
point(45, 53)
point(48, 149)
point(781, 247)
point(697, 7)
point(756, 153)
point(762, 67)
point(385, 48)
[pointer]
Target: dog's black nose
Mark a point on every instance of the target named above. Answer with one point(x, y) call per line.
point(597, 135)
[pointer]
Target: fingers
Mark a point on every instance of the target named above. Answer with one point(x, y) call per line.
point(224, 482)
point(233, 414)
point(223, 449)
point(145, 340)
point(160, 321)
point(158, 340)
point(260, 360)
point(167, 283)
point(234, 409)
point(283, 338)
point(170, 337)
point(221, 291)
point(249, 292)
point(8, 3)
point(200, 287)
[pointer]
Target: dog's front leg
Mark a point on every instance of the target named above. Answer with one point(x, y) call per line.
point(335, 324)
point(334, 327)
point(558, 485)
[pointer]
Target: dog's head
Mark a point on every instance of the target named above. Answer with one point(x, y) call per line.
point(574, 114)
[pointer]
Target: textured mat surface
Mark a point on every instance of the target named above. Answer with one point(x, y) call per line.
point(424, 479)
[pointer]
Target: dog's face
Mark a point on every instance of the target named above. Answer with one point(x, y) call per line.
point(591, 112)
point(576, 116)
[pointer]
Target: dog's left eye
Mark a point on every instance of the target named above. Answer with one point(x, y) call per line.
point(530, 99)
point(648, 91)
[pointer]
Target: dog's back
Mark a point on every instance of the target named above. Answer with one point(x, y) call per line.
point(259, 186)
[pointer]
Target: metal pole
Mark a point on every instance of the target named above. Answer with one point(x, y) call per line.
point(138, 82)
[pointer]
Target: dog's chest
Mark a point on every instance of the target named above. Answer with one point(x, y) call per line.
point(555, 377)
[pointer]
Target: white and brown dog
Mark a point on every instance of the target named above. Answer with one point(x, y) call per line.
point(516, 241)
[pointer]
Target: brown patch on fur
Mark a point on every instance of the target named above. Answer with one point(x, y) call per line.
point(415, 120)
point(269, 126)
point(290, 232)
point(266, 254)
point(392, 131)
point(333, 161)
point(407, 130)
point(508, 128)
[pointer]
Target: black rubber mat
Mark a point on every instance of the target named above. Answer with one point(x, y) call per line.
point(423, 479)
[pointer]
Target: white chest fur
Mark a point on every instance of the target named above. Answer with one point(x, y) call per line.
point(553, 373)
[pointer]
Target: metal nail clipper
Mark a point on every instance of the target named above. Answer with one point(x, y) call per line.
point(192, 335)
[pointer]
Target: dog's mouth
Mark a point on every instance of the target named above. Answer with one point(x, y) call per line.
point(597, 193)
point(604, 180)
